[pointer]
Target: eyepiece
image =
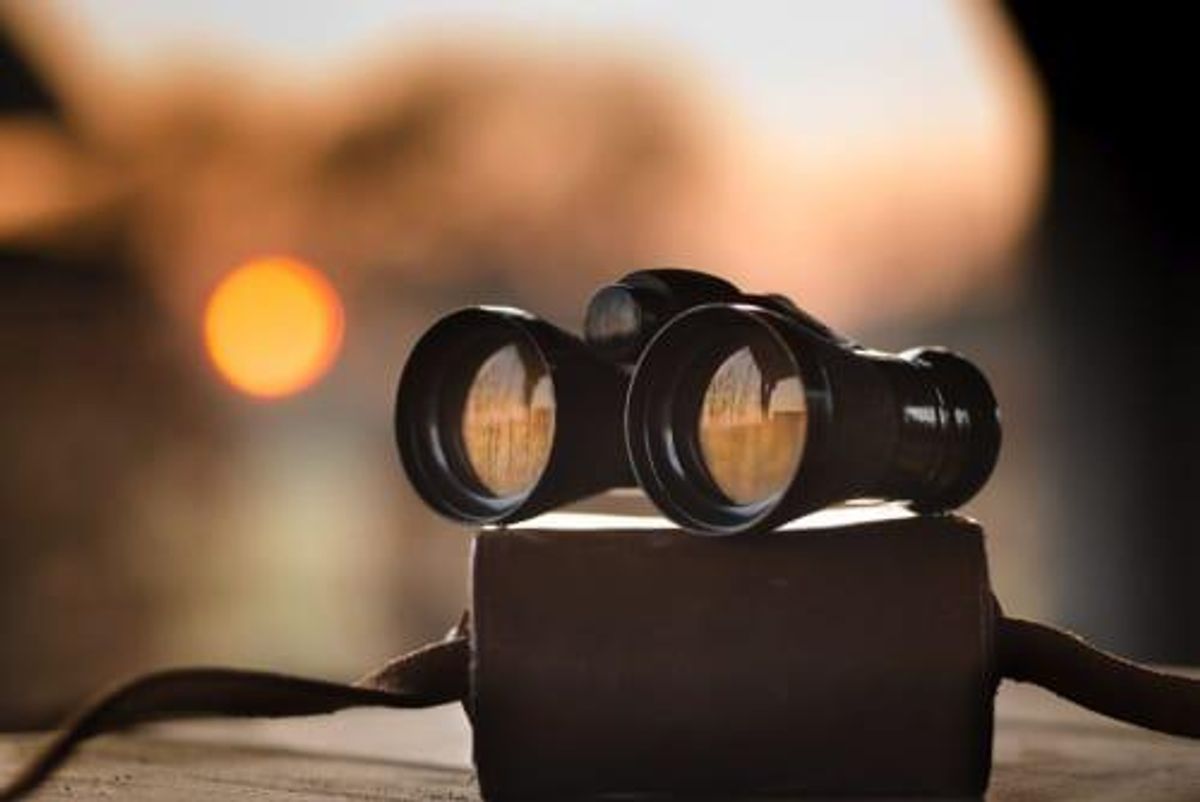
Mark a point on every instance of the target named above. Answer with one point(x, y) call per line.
point(494, 411)
point(623, 316)
point(740, 418)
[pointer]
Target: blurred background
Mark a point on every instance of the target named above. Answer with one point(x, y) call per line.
point(223, 225)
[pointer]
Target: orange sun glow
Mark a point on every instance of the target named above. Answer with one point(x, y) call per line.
point(273, 327)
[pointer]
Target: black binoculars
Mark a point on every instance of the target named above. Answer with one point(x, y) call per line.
point(733, 412)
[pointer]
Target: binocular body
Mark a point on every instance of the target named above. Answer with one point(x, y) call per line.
point(733, 412)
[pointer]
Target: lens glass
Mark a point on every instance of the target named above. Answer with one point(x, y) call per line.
point(508, 420)
point(752, 424)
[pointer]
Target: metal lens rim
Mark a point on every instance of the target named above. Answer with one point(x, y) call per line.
point(662, 414)
point(432, 392)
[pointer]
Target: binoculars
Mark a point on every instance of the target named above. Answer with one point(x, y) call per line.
point(734, 412)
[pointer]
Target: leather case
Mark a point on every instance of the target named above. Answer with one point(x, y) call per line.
point(626, 658)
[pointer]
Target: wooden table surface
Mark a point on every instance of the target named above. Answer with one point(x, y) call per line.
point(1046, 749)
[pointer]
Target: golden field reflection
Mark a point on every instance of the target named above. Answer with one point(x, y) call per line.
point(508, 421)
point(752, 430)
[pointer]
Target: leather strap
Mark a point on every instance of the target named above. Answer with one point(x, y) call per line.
point(438, 674)
point(430, 676)
point(1070, 667)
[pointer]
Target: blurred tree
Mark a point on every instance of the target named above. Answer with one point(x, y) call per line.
point(22, 90)
point(90, 392)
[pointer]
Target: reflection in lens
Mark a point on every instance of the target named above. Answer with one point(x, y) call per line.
point(752, 428)
point(508, 420)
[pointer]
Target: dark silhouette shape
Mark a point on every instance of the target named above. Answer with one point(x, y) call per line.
point(1117, 253)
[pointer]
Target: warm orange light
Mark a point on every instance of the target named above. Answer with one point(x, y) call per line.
point(273, 327)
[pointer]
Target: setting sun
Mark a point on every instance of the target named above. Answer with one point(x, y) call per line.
point(273, 327)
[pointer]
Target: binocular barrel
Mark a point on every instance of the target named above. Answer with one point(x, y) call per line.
point(501, 416)
point(733, 412)
point(741, 418)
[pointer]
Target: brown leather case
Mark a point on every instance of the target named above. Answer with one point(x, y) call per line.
point(852, 660)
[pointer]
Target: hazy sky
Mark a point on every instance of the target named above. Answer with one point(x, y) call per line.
point(860, 63)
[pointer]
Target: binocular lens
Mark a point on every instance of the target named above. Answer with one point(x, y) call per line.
point(752, 424)
point(500, 416)
point(508, 420)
